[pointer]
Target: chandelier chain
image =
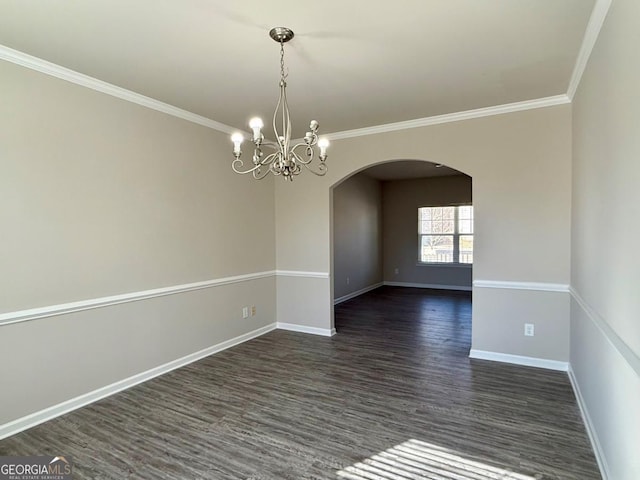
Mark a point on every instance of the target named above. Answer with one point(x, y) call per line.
point(282, 75)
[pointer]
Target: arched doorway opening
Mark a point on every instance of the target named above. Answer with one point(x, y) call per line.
point(405, 223)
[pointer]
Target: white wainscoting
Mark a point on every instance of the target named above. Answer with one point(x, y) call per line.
point(613, 389)
point(589, 426)
point(50, 413)
point(48, 313)
point(554, 361)
point(612, 337)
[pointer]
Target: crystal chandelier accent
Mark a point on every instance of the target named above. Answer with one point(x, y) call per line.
point(285, 160)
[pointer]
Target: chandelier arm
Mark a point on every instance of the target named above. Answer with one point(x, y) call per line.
point(268, 160)
point(276, 166)
point(321, 169)
point(285, 133)
point(237, 164)
point(281, 96)
point(310, 152)
point(240, 164)
point(286, 119)
point(258, 175)
point(313, 141)
point(275, 117)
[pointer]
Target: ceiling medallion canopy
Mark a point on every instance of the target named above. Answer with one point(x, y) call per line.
point(285, 160)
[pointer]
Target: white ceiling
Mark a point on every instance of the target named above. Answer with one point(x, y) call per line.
point(352, 64)
point(405, 169)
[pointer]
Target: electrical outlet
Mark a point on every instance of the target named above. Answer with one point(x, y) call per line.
point(528, 330)
point(397, 271)
point(347, 280)
point(245, 312)
point(253, 311)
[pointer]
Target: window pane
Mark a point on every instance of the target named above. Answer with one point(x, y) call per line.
point(466, 249)
point(436, 220)
point(448, 213)
point(448, 219)
point(465, 226)
point(465, 219)
point(436, 248)
point(465, 211)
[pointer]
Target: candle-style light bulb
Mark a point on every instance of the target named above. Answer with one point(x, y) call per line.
point(323, 143)
point(237, 139)
point(256, 125)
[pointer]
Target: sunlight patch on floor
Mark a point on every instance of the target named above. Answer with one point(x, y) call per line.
point(417, 460)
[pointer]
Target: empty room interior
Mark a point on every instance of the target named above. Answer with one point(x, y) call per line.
point(424, 267)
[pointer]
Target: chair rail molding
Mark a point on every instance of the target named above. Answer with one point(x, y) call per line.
point(510, 285)
point(612, 337)
point(64, 308)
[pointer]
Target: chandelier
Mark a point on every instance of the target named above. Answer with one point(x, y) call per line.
point(285, 160)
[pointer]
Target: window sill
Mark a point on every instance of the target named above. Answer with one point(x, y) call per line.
point(454, 265)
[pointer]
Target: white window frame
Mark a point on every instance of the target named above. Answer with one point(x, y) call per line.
point(456, 237)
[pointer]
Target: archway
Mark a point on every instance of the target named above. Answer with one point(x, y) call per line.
point(368, 251)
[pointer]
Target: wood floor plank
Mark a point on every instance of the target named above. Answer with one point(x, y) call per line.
point(393, 395)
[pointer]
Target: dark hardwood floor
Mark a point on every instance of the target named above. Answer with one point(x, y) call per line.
point(392, 396)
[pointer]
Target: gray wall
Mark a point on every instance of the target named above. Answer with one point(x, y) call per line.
point(605, 266)
point(102, 197)
point(357, 235)
point(401, 200)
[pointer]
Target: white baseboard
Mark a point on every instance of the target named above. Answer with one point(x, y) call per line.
point(325, 332)
point(435, 286)
point(54, 411)
point(519, 360)
point(591, 431)
point(357, 293)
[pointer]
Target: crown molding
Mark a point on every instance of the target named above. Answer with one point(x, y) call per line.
point(598, 14)
point(48, 68)
point(596, 20)
point(453, 117)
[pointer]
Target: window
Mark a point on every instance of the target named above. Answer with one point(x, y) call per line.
point(445, 234)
